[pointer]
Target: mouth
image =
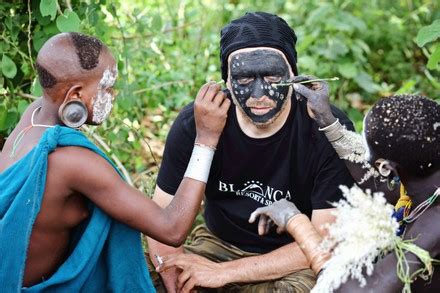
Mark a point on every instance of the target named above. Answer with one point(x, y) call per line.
point(260, 110)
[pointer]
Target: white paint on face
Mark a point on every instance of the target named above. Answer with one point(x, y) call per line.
point(364, 141)
point(103, 102)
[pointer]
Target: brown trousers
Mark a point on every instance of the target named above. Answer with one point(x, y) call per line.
point(204, 243)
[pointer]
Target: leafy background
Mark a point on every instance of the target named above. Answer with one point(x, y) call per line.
point(166, 49)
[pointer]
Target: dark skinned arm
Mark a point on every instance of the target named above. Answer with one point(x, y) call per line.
point(318, 107)
point(91, 175)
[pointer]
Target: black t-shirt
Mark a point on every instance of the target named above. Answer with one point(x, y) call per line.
point(297, 163)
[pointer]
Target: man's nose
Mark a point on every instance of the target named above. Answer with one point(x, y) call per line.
point(258, 91)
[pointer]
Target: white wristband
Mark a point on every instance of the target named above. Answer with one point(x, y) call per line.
point(200, 163)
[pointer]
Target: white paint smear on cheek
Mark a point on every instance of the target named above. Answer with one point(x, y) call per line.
point(103, 102)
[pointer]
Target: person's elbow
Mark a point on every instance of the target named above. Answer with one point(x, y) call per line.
point(175, 238)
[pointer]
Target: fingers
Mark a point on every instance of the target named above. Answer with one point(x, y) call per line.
point(225, 105)
point(189, 285)
point(301, 78)
point(219, 98)
point(303, 90)
point(269, 225)
point(203, 91)
point(169, 262)
point(280, 229)
point(262, 224)
point(182, 279)
point(212, 91)
point(254, 215)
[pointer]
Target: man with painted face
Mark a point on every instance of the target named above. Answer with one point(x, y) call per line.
point(68, 220)
point(271, 149)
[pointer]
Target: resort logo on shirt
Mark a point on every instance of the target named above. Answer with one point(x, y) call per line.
point(257, 191)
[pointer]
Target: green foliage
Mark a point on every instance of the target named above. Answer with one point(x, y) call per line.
point(166, 49)
point(428, 34)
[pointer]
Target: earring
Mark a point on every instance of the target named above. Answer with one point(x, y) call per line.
point(73, 113)
point(382, 171)
point(393, 183)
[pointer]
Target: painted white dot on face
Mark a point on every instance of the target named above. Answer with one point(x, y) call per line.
point(282, 97)
point(241, 92)
point(271, 92)
point(262, 87)
point(235, 92)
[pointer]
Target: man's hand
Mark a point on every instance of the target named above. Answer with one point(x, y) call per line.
point(210, 113)
point(279, 213)
point(169, 279)
point(197, 271)
point(317, 95)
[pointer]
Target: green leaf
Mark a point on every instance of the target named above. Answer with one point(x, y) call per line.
point(347, 70)
point(428, 33)
point(9, 69)
point(48, 7)
point(36, 89)
point(7, 118)
point(365, 81)
point(21, 107)
point(434, 59)
point(68, 22)
point(156, 23)
point(3, 114)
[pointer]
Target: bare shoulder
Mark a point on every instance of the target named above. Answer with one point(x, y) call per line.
point(77, 164)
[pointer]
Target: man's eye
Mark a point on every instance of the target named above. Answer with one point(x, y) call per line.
point(272, 78)
point(245, 80)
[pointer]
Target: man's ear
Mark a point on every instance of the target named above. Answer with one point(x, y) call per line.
point(74, 93)
point(73, 111)
point(385, 167)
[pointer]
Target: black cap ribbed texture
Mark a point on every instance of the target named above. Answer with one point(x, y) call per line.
point(257, 29)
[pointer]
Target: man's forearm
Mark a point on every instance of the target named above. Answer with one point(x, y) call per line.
point(270, 266)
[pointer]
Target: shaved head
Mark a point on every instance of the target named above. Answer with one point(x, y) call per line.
point(69, 58)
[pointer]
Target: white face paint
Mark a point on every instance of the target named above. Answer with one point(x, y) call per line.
point(103, 102)
point(364, 141)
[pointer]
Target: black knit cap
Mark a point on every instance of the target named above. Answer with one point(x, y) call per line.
point(257, 29)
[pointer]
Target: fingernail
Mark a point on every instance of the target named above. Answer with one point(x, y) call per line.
point(295, 86)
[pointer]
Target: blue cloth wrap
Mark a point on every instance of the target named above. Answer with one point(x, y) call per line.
point(107, 255)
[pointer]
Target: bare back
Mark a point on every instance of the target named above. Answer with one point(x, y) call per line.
point(60, 212)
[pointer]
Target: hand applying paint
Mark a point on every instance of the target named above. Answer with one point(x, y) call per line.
point(210, 113)
point(317, 95)
point(280, 212)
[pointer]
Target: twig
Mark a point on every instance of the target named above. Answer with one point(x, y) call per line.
point(305, 81)
point(59, 8)
point(23, 95)
point(161, 85)
point(69, 5)
point(124, 39)
point(29, 33)
point(27, 96)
